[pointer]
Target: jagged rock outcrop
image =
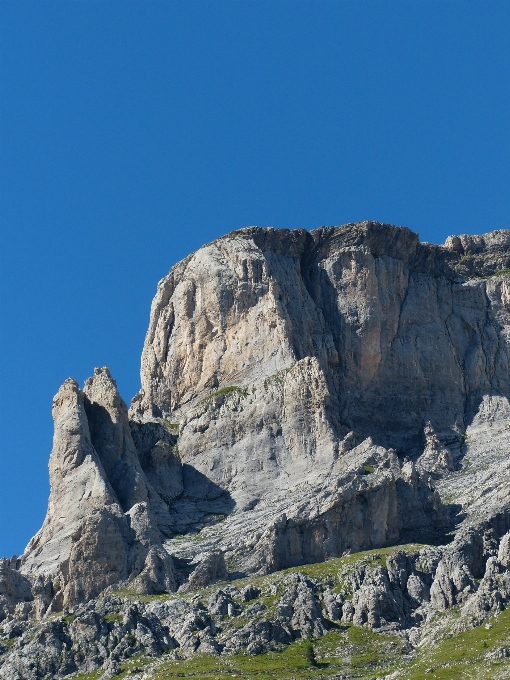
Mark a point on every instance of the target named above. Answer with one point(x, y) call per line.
point(396, 590)
point(158, 574)
point(112, 439)
point(100, 523)
point(210, 568)
point(15, 589)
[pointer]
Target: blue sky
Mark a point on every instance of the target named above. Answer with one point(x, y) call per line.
point(132, 132)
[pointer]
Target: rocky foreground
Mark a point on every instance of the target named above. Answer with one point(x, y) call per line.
point(305, 396)
point(388, 610)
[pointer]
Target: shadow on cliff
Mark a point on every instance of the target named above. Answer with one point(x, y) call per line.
point(202, 503)
point(141, 459)
point(420, 378)
point(414, 381)
point(193, 499)
point(206, 493)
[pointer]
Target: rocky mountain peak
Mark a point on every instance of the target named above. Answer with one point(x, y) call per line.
point(304, 394)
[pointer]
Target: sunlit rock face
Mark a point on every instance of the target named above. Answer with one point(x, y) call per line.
point(400, 337)
point(102, 514)
point(332, 339)
point(303, 394)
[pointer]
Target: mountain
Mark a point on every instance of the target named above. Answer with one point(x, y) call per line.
point(306, 396)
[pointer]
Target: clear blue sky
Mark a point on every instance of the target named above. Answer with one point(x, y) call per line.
point(132, 132)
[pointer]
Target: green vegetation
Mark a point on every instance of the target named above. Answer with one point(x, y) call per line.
point(368, 469)
point(93, 675)
point(354, 651)
point(309, 653)
point(9, 642)
point(351, 652)
point(126, 593)
point(502, 272)
point(135, 664)
point(346, 651)
point(227, 390)
point(168, 425)
point(321, 571)
point(331, 568)
point(69, 618)
point(466, 655)
point(277, 378)
point(499, 273)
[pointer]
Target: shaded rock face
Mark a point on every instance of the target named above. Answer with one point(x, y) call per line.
point(411, 588)
point(15, 589)
point(299, 393)
point(209, 570)
point(357, 329)
point(398, 591)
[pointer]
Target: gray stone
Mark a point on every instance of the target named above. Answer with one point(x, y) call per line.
point(304, 396)
point(90, 538)
point(15, 589)
point(210, 569)
point(249, 593)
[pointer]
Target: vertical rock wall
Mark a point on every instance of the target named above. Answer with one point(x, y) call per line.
point(298, 389)
point(102, 513)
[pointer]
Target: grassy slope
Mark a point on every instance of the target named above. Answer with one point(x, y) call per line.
point(348, 651)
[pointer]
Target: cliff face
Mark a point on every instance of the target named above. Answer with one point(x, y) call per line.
point(402, 337)
point(330, 337)
point(300, 387)
point(102, 518)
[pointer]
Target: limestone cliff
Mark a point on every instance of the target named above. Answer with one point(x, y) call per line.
point(304, 395)
point(305, 388)
point(401, 335)
point(286, 357)
point(100, 523)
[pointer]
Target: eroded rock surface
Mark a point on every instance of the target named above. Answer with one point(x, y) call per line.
point(102, 519)
point(280, 353)
point(303, 395)
point(399, 591)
